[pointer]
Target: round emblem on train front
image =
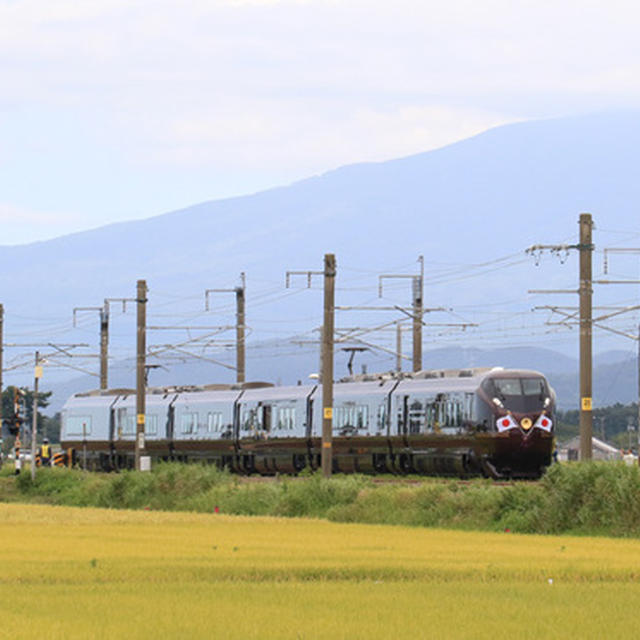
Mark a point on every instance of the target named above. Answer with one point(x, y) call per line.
point(526, 423)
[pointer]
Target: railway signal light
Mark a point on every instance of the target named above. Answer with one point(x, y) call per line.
point(14, 422)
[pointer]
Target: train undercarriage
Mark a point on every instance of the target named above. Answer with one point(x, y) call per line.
point(498, 456)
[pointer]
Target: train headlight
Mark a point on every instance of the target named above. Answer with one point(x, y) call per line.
point(544, 422)
point(504, 423)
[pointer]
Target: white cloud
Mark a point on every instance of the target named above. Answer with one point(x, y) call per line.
point(298, 85)
point(308, 139)
point(23, 224)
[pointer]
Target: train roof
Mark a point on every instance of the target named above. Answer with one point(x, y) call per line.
point(279, 393)
point(429, 381)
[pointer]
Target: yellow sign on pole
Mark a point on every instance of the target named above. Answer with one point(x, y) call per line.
point(328, 413)
point(140, 418)
point(587, 405)
point(38, 373)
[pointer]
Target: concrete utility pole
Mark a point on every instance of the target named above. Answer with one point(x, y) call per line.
point(418, 292)
point(240, 324)
point(104, 338)
point(141, 348)
point(104, 347)
point(586, 337)
point(326, 379)
point(34, 423)
point(417, 282)
point(240, 354)
point(585, 291)
point(327, 362)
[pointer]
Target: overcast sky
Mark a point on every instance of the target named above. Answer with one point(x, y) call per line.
point(112, 110)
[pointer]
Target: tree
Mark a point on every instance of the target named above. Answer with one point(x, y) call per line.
point(46, 425)
point(609, 424)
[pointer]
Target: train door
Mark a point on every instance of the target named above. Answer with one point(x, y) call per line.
point(121, 422)
point(171, 420)
point(265, 422)
point(440, 413)
point(309, 421)
point(403, 415)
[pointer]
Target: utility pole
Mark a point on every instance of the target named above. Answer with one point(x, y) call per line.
point(585, 291)
point(141, 347)
point(586, 337)
point(326, 379)
point(240, 293)
point(104, 347)
point(34, 423)
point(240, 354)
point(418, 292)
point(417, 287)
point(327, 362)
point(104, 338)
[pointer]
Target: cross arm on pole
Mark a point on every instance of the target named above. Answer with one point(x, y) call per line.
point(308, 274)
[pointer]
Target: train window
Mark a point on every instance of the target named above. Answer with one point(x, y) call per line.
point(416, 416)
point(533, 387)
point(382, 417)
point(432, 416)
point(362, 416)
point(508, 386)
point(468, 406)
point(266, 417)
point(78, 425)
point(150, 424)
point(286, 418)
point(214, 421)
point(352, 416)
point(129, 425)
point(519, 394)
point(454, 413)
point(189, 422)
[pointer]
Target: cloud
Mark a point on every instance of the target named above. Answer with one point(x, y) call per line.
point(22, 224)
point(308, 139)
point(288, 87)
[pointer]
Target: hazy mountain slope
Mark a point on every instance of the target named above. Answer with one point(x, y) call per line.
point(484, 197)
point(498, 191)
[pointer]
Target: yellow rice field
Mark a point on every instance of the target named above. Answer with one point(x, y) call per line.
point(89, 573)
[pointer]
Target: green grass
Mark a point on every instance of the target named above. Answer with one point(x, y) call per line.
point(585, 499)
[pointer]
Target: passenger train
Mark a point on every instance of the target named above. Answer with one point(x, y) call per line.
point(493, 422)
